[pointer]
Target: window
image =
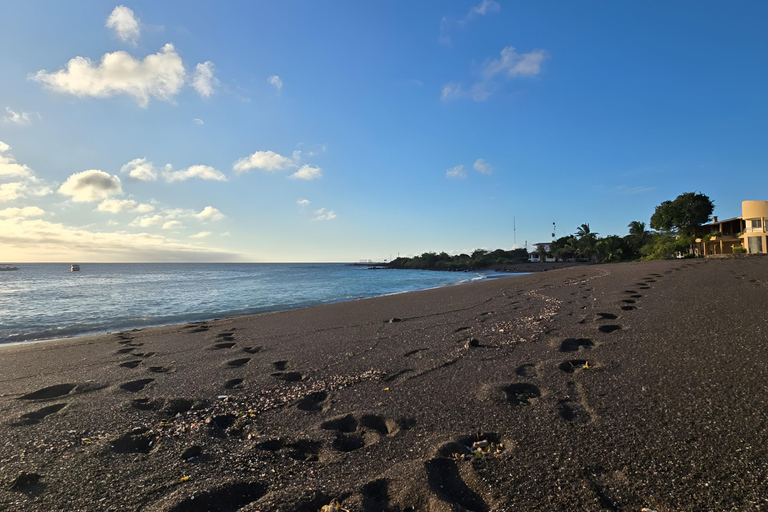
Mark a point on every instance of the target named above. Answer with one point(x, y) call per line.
point(755, 244)
point(757, 223)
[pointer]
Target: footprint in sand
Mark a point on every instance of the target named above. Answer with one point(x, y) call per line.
point(131, 364)
point(34, 417)
point(251, 350)
point(49, 392)
point(313, 402)
point(521, 393)
point(288, 376)
point(608, 328)
point(234, 384)
point(574, 344)
point(280, 365)
point(573, 365)
point(219, 346)
point(136, 385)
point(526, 370)
point(236, 363)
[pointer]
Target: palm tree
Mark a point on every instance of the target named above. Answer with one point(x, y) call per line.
point(638, 235)
point(587, 241)
point(610, 249)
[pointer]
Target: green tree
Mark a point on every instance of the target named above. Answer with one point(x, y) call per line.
point(587, 240)
point(638, 236)
point(684, 215)
point(609, 249)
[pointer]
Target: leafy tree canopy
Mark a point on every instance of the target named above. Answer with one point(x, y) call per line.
point(685, 214)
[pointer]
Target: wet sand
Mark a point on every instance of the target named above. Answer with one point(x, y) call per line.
point(605, 387)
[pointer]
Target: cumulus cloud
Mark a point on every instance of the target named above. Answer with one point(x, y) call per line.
point(262, 160)
point(27, 238)
point(204, 81)
point(123, 205)
point(276, 82)
point(456, 172)
point(303, 202)
point(91, 185)
point(510, 64)
point(210, 213)
point(20, 118)
point(140, 169)
point(484, 8)
point(9, 168)
point(307, 172)
point(160, 75)
point(148, 221)
point(201, 234)
point(172, 224)
point(21, 213)
point(323, 214)
point(203, 172)
point(25, 183)
point(125, 24)
point(483, 167)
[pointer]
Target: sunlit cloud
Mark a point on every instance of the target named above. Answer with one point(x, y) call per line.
point(324, 214)
point(483, 167)
point(510, 64)
point(19, 118)
point(276, 82)
point(210, 213)
point(307, 172)
point(262, 160)
point(123, 205)
point(140, 169)
point(201, 234)
point(24, 183)
point(203, 172)
point(456, 172)
point(172, 224)
point(204, 81)
point(303, 202)
point(36, 239)
point(125, 24)
point(91, 185)
point(21, 213)
point(160, 76)
point(9, 168)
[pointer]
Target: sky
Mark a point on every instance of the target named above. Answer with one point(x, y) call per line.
point(301, 131)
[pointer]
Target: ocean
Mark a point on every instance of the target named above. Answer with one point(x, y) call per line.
point(45, 301)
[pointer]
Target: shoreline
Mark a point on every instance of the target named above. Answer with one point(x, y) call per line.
point(591, 388)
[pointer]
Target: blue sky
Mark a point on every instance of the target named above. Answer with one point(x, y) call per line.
point(337, 131)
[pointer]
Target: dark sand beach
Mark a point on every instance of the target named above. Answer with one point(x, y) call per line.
point(613, 387)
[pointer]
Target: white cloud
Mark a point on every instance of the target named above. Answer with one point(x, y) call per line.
point(483, 167)
point(514, 64)
point(9, 168)
point(210, 213)
point(307, 172)
point(510, 64)
point(323, 214)
point(484, 8)
point(198, 121)
point(203, 172)
point(123, 205)
point(302, 202)
point(201, 234)
point(91, 185)
point(456, 172)
point(204, 81)
point(159, 76)
point(20, 213)
point(25, 184)
point(172, 224)
point(125, 24)
point(263, 160)
point(140, 169)
point(20, 118)
point(450, 91)
point(40, 240)
point(146, 222)
point(276, 82)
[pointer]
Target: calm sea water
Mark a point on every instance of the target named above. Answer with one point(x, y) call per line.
point(47, 301)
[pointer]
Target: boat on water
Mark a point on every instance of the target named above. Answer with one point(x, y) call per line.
point(8, 267)
point(74, 268)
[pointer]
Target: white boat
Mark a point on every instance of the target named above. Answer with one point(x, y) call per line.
point(8, 267)
point(75, 268)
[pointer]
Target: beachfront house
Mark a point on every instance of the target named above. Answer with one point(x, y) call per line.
point(748, 231)
point(545, 247)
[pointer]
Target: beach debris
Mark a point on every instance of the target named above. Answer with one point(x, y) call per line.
point(478, 449)
point(333, 506)
point(393, 320)
point(183, 479)
point(23, 481)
